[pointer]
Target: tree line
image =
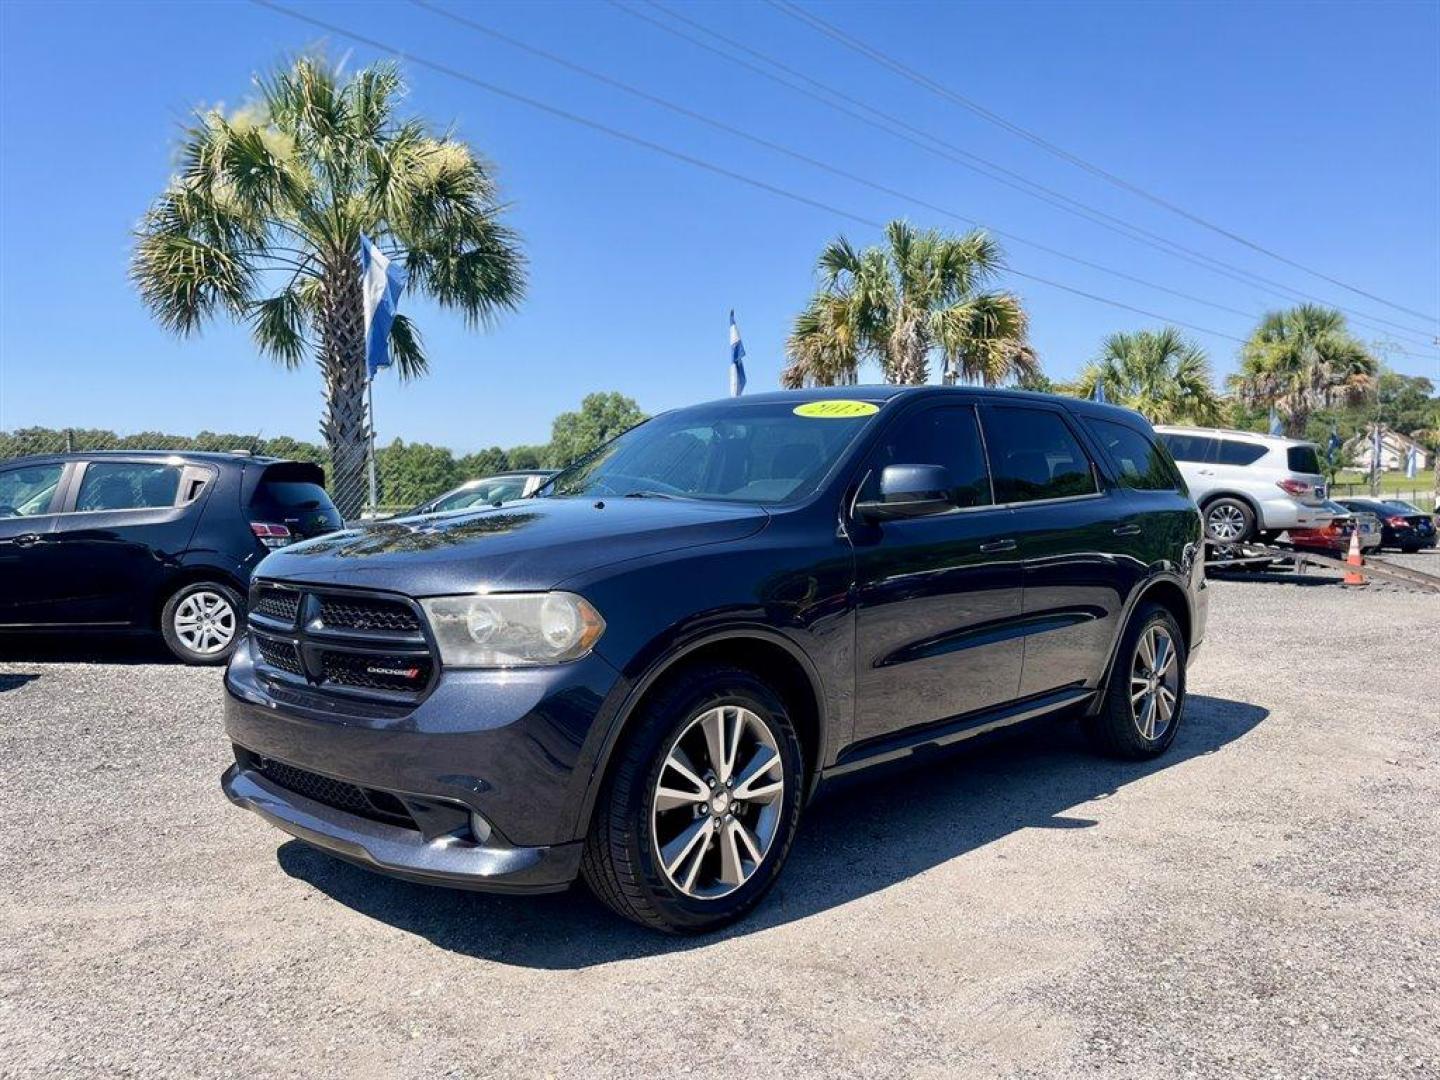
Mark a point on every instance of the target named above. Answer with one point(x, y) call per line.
point(408, 473)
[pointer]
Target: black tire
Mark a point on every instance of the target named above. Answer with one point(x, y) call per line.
point(1229, 521)
point(201, 649)
point(1116, 729)
point(621, 862)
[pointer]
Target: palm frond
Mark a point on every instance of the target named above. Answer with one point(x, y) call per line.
point(408, 349)
point(278, 325)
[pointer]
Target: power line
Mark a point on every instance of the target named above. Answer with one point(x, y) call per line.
point(796, 155)
point(688, 159)
point(920, 79)
point(933, 144)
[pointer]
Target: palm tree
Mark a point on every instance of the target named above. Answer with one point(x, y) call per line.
point(1158, 373)
point(262, 222)
point(1303, 359)
point(918, 295)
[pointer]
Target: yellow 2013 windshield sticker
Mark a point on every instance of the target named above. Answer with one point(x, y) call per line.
point(836, 410)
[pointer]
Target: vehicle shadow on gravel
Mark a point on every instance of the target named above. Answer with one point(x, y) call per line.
point(886, 828)
point(84, 649)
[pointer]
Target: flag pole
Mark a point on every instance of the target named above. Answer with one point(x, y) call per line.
point(370, 409)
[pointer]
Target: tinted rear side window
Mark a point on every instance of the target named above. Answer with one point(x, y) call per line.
point(1303, 459)
point(1142, 464)
point(1234, 452)
point(123, 485)
point(1034, 455)
point(1197, 448)
point(947, 436)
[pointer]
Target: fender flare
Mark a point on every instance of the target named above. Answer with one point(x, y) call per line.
point(667, 659)
point(1137, 597)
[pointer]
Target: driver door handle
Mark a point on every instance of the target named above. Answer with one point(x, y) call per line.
point(27, 540)
point(997, 545)
point(1126, 530)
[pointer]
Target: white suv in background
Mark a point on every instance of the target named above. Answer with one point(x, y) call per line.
point(1249, 485)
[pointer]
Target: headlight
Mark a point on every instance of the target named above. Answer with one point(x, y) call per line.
point(513, 629)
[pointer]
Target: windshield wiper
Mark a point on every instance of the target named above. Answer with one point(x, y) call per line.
point(647, 495)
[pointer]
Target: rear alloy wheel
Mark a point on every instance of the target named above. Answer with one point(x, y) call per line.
point(201, 623)
point(1145, 695)
point(700, 804)
point(1229, 521)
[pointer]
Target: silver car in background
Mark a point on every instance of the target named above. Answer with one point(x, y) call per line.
point(1249, 486)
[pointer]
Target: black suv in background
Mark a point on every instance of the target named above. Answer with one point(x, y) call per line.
point(642, 673)
point(148, 540)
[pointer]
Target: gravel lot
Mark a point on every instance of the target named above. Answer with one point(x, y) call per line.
point(1264, 901)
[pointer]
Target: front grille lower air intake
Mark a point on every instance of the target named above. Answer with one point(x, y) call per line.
point(344, 641)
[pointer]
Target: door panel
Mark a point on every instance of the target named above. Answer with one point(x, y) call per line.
point(1071, 530)
point(123, 534)
point(937, 621)
point(937, 618)
point(28, 496)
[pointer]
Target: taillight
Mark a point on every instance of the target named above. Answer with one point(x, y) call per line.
point(1293, 487)
point(272, 536)
point(1397, 522)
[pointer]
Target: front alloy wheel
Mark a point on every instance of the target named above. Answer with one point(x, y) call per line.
point(717, 802)
point(700, 803)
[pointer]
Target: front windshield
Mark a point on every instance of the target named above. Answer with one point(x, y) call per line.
point(482, 494)
point(731, 452)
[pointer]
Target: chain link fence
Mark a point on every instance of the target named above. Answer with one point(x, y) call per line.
point(406, 474)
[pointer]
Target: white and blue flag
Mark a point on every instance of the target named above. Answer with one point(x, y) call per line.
point(381, 282)
point(1412, 463)
point(1098, 394)
point(1377, 449)
point(1334, 444)
point(1276, 427)
point(737, 359)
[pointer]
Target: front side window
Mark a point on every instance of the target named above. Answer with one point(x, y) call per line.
point(125, 485)
point(1034, 455)
point(730, 452)
point(1141, 463)
point(948, 436)
point(26, 491)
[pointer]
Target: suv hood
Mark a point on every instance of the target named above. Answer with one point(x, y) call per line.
point(529, 544)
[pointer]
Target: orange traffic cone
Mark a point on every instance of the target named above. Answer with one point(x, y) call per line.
point(1353, 576)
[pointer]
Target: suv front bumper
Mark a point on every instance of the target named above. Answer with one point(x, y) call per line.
point(480, 785)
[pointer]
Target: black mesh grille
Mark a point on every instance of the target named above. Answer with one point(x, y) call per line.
point(279, 604)
point(369, 671)
point(354, 644)
point(353, 799)
point(367, 614)
point(279, 654)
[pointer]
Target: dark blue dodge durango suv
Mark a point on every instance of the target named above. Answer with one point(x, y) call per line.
point(642, 673)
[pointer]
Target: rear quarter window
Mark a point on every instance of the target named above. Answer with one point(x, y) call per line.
point(1142, 465)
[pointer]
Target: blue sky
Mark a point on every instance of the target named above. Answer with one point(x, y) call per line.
point(1311, 128)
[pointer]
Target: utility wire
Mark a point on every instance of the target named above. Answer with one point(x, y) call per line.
point(688, 159)
point(795, 11)
point(934, 144)
point(796, 155)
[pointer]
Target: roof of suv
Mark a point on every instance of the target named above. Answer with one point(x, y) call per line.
point(1232, 433)
point(881, 392)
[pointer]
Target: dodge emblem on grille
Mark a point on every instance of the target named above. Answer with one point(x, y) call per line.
point(398, 672)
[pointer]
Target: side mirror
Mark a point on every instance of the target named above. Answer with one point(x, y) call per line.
point(908, 491)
